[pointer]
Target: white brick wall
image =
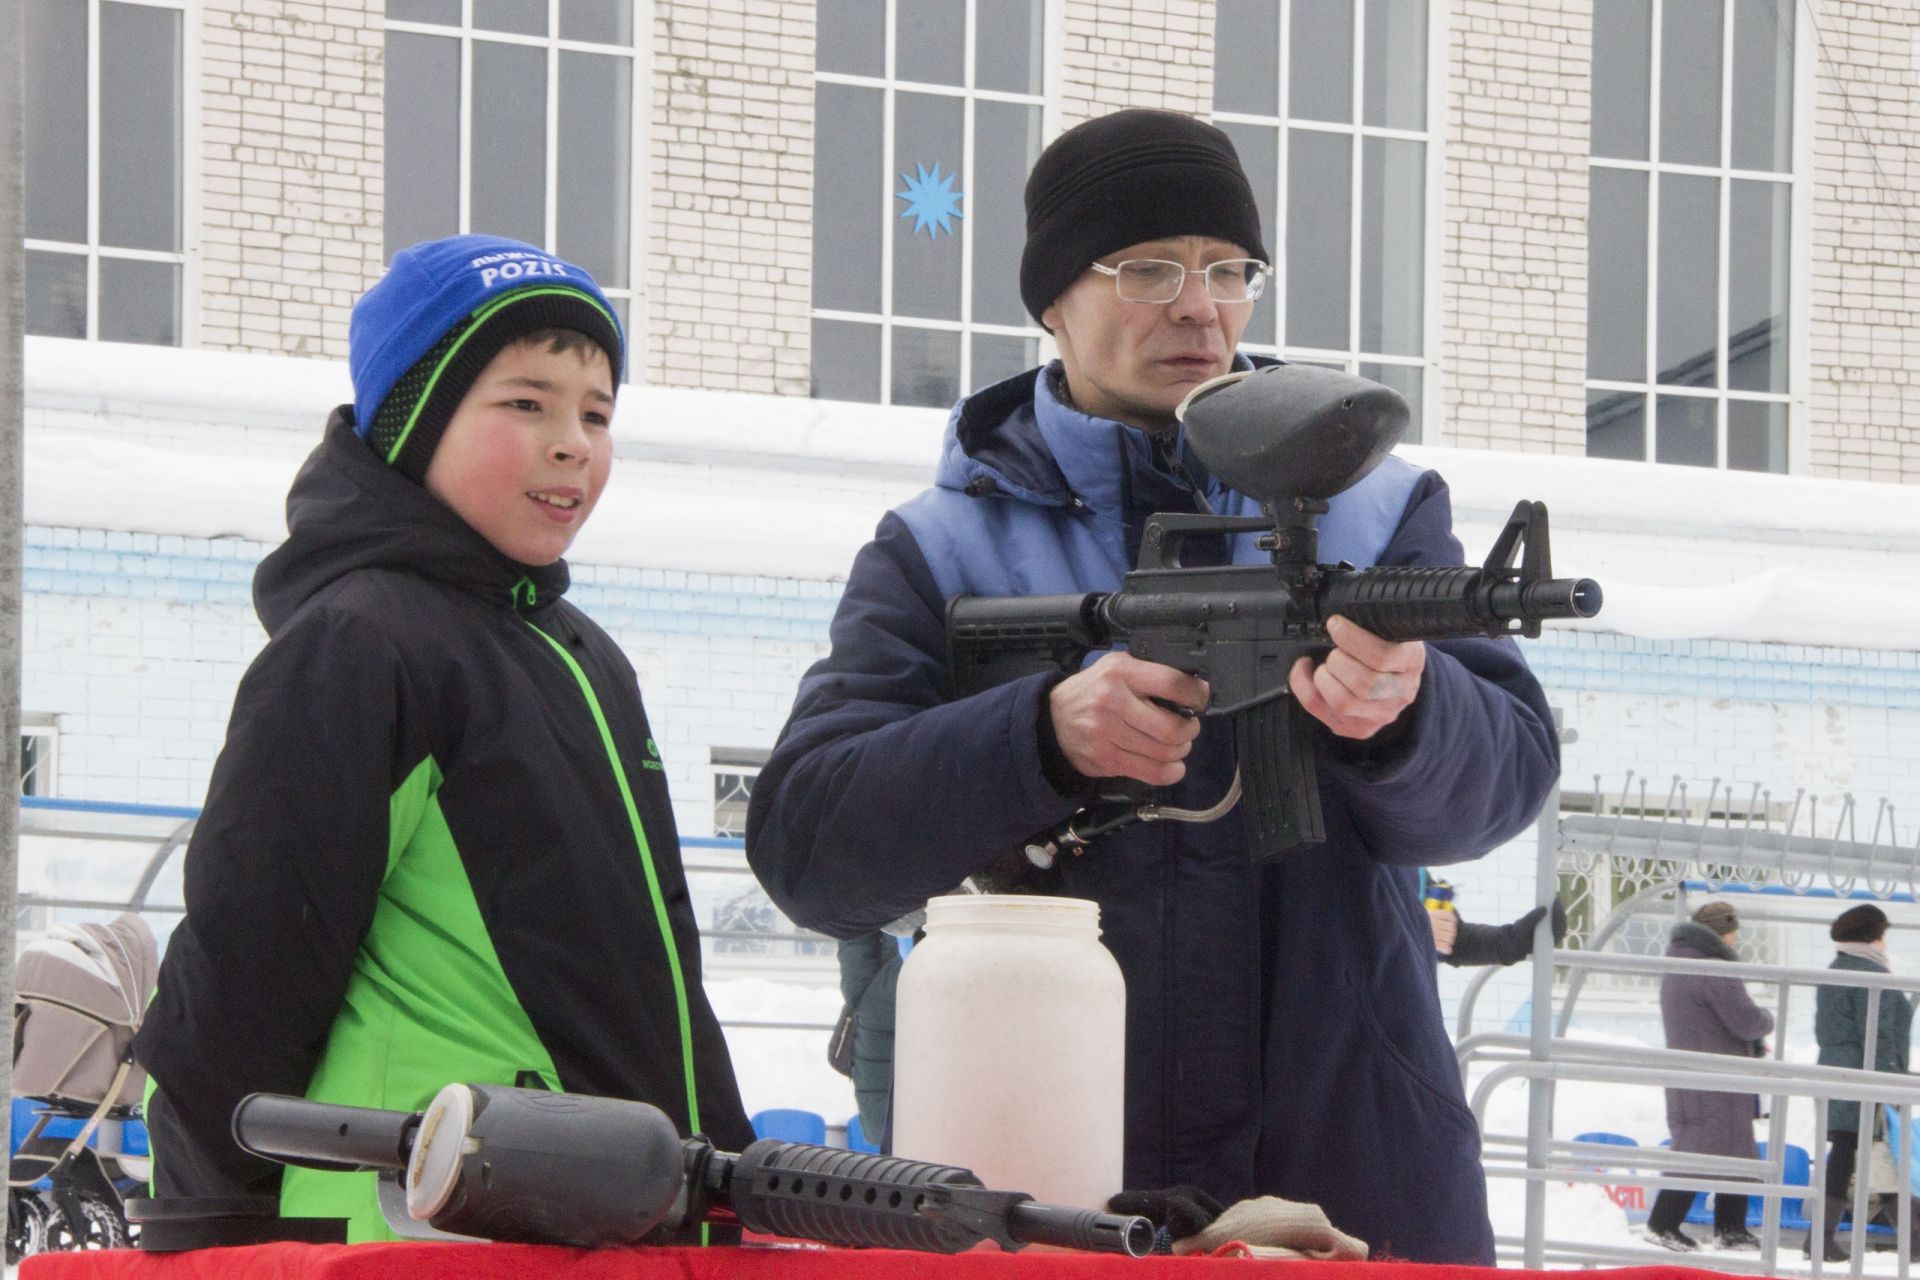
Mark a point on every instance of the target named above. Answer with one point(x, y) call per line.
point(141, 688)
point(1136, 53)
point(1514, 270)
point(291, 184)
point(1865, 340)
point(729, 266)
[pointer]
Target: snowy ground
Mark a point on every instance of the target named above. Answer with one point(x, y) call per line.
point(783, 1068)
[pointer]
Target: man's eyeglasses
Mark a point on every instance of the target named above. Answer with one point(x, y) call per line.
point(1157, 280)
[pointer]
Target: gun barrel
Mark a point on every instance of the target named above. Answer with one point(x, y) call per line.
point(323, 1135)
point(1070, 1228)
point(1399, 603)
point(1561, 598)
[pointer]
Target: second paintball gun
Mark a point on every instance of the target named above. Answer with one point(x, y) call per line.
point(1290, 437)
point(493, 1162)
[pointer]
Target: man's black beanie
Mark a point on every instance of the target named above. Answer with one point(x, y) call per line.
point(1125, 178)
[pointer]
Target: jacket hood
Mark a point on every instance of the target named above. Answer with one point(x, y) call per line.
point(348, 510)
point(1697, 942)
point(1022, 439)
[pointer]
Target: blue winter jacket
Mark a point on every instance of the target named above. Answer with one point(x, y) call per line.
point(1284, 1033)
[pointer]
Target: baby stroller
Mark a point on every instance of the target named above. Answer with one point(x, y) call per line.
point(81, 992)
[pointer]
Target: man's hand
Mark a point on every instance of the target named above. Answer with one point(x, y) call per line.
point(1363, 685)
point(1446, 925)
point(1108, 727)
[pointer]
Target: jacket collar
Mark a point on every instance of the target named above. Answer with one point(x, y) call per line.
point(349, 510)
point(1021, 438)
point(1690, 935)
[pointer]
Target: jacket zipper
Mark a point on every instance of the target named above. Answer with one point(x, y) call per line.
point(653, 878)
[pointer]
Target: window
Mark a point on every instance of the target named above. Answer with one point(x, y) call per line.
point(927, 118)
point(734, 770)
point(105, 169)
point(480, 94)
point(39, 748)
point(1689, 256)
point(1326, 102)
point(740, 921)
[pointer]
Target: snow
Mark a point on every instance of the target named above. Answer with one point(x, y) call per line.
point(782, 1068)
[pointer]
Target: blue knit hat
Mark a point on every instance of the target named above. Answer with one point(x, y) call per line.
point(422, 335)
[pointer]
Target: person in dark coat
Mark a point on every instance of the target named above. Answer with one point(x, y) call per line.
point(869, 971)
point(1284, 1034)
point(1840, 1025)
point(1706, 1014)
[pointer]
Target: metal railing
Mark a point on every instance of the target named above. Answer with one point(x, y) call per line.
point(1790, 870)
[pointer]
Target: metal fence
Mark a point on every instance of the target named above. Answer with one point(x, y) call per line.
point(1626, 864)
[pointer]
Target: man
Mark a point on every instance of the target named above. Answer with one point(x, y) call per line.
point(1283, 1031)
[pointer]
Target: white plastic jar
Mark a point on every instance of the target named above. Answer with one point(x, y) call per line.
point(1010, 1047)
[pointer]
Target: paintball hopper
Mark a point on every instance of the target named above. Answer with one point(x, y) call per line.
point(1292, 430)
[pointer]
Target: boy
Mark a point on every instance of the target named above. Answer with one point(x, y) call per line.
point(437, 845)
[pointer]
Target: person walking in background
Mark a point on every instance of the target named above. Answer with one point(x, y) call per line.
point(1708, 1014)
point(1840, 1025)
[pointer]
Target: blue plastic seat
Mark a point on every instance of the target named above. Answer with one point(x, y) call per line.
point(1611, 1139)
point(1798, 1172)
point(1629, 1196)
point(857, 1136)
point(790, 1125)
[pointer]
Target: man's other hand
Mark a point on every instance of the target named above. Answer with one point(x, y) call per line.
point(1109, 726)
point(1363, 685)
point(1446, 926)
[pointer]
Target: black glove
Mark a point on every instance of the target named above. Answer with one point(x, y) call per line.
point(1477, 944)
point(1176, 1212)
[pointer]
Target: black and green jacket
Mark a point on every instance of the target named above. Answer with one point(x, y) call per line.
point(437, 847)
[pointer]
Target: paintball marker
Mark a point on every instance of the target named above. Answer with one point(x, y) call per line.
point(497, 1163)
point(1290, 437)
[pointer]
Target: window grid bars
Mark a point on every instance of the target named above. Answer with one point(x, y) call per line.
point(93, 251)
point(891, 86)
point(1359, 131)
point(887, 99)
point(964, 370)
point(1724, 175)
point(93, 170)
point(638, 87)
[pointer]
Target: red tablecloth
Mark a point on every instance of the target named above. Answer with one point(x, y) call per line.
point(520, 1262)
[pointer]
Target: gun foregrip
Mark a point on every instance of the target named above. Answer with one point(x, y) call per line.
point(1398, 603)
point(1279, 786)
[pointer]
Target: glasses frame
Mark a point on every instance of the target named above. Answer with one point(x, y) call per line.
point(1256, 284)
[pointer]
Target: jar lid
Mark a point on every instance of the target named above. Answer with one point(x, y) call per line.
point(1014, 911)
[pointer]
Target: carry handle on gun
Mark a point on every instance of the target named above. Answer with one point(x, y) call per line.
point(500, 1163)
point(1291, 436)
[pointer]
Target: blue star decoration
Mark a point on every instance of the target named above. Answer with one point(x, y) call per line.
point(931, 201)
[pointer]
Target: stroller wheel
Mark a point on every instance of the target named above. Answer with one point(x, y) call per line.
point(100, 1226)
point(29, 1225)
